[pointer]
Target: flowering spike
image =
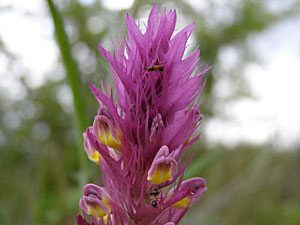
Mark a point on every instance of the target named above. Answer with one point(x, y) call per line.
point(140, 140)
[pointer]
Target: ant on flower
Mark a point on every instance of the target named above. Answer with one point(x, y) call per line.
point(155, 194)
point(157, 66)
point(154, 203)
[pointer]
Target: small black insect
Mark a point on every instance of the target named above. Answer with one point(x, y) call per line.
point(155, 68)
point(154, 195)
point(155, 192)
point(154, 203)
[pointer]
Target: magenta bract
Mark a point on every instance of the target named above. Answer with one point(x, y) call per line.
point(140, 140)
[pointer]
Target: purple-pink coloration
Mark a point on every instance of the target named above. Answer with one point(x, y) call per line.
point(140, 140)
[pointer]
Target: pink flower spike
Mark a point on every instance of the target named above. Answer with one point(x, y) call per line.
point(139, 139)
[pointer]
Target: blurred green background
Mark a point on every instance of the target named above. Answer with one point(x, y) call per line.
point(252, 172)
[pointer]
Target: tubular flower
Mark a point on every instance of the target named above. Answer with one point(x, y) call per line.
point(95, 201)
point(163, 167)
point(140, 141)
point(106, 132)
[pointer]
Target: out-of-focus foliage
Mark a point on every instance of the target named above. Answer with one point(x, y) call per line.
point(250, 185)
point(39, 164)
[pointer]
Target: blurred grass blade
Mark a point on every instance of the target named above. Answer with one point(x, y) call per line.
point(73, 78)
point(202, 163)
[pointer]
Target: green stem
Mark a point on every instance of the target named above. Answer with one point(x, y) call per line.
point(74, 81)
